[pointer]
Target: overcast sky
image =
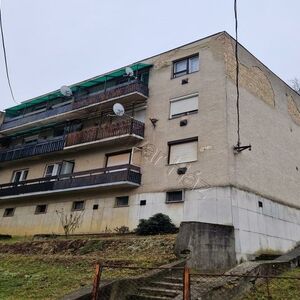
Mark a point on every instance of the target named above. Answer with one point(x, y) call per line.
point(55, 42)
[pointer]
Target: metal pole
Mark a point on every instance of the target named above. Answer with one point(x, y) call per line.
point(186, 284)
point(96, 283)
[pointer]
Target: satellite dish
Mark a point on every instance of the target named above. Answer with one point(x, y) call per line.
point(66, 91)
point(129, 72)
point(118, 109)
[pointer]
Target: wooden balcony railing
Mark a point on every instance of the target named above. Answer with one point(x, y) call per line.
point(32, 150)
point(113, 92)
point(115, 129)
point(126, 174)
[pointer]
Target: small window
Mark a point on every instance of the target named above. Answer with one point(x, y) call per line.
point(41, 209)
point(184, 105)
point(183, 151)
point(78, 205)
point(9, 212)
point(95, 206)
point(186, 66)
point(63, 168)
point(19, 175)
point(122, 201)
point(174, 196)
point(260, 204)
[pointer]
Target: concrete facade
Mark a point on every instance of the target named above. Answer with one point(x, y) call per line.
point(219, 187)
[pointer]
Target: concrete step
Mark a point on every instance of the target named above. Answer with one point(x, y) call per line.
point(162, 292)
point(173, 279)
point(168, 285)
point(146, 297)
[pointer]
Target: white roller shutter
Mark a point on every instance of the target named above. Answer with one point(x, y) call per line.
point(118, 159)
point(184, 152)
point(183, 105)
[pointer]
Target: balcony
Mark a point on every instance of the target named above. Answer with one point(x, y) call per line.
point(32, 150)
point(126, 93)
point(121, 130)
point(21, 120)
point(120, 91)
point(117, 176)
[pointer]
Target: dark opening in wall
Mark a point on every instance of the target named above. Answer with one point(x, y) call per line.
point(142, 202)
point(260, 204)
point(95, 206)
point(41, 209)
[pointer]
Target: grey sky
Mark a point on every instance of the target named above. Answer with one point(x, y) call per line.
point(55, 42)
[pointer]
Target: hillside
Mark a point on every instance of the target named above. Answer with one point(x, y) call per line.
point(49, 269)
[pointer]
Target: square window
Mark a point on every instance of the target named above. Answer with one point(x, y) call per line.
point(186, 66)
point(184, 105)
point(95, 206)
point(41, 209)
point(142, 202)
point(9, 212)
point(122, 201)
point(78, 205)
point(183, 151)
point(174, 196)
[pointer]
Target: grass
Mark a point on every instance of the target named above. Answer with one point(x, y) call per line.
point(279, 289)
point(40, 275)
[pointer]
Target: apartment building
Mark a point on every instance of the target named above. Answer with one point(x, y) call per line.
point(172, 151)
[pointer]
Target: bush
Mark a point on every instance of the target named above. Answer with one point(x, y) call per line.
point(157, 224)
point(122, 230)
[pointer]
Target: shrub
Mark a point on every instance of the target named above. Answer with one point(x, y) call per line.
point(122, 230)
point(157, 224)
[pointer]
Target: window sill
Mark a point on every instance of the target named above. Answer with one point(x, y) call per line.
point(171, 202)
point(120, 206)
point(184, 115)
point(185, 74)
point(184, 162)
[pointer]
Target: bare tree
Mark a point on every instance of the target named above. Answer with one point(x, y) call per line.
point(69, 221)
point(296, 84)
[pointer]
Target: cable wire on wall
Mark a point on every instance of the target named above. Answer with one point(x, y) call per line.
point(238, 148)
point(5, 57)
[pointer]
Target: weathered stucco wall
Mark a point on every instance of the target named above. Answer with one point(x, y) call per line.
point(270, 122)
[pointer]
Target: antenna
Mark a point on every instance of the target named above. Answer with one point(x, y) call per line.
point(66, 91)
point(118, 109)
point(129, 72)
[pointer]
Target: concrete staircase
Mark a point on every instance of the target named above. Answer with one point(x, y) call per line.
point(165, 289)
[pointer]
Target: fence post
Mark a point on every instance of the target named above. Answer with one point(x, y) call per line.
point(96, 282)
point(186, 284)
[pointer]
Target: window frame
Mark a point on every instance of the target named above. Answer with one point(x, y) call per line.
point(22, 172)
point(175, 201)
point(107, 155)
point(187, 70)
point(182, 98)
point(118, 198)
point(76, 209)
point(178, 142)
point(6, 215)
point(36, 212)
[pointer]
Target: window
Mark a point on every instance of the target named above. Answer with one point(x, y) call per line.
point(19, 175)
point(95, 206)
point(118, 159)
point(174, 196)
point(122, 201)
point(41, 209)
point(78, 205)
point(183, 105)
point(31, 140)
point(186, 66)
point(9, 212)
point(183, 151)
point(61, 168)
